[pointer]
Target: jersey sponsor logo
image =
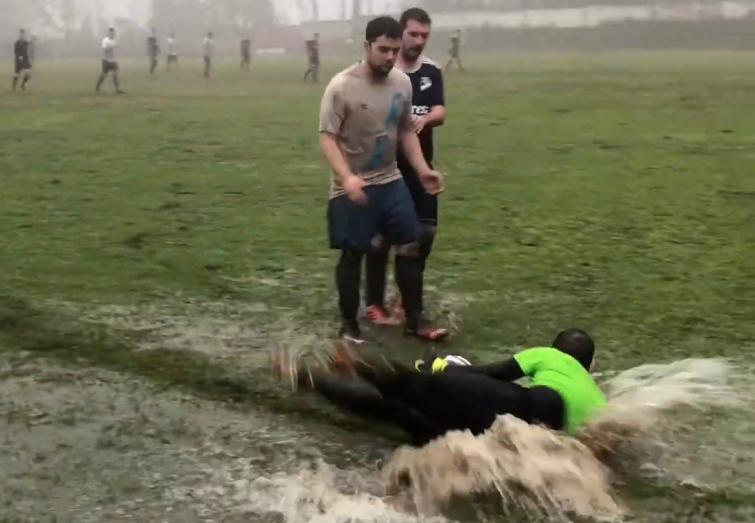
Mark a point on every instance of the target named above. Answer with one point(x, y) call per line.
point(420, 110)
point(425, 83)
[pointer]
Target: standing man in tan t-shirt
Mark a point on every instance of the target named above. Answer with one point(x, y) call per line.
point(366, 114)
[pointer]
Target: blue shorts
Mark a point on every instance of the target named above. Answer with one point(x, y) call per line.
point(389, 212)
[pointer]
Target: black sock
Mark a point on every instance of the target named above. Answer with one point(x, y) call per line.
point(409, 281)
point(377, 265)
point(348, 279)
point(426, 244)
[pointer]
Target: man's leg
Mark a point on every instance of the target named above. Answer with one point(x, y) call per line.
point(103, 75)
point(365, 401)
point(116, 83)
point(352, 228)
point(403, 227)
point(455, 401)
point(15, 81)
point(376, 268)
point(348, 280)
point(27, 77)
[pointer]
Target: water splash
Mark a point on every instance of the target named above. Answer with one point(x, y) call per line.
point(529, 469)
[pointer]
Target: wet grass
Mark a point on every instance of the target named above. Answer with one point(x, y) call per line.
point(611, 192)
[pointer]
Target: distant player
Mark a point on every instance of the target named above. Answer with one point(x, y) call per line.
point(172, 51)
point(313, 57)
point(109, 63)
point(153, 51)
point(428, 111)
point(22, 60)
point(455, 51)
point(208, 51)
point(246, 54)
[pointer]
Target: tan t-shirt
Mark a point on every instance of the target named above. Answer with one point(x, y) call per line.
point(367, 117)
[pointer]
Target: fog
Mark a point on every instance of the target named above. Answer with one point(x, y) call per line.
point(72, 27)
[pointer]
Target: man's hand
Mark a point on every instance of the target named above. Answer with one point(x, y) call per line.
point(354, 187)
point(419, 123)
point(432, 181)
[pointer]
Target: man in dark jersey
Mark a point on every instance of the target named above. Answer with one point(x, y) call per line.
point(447, 394)
point(22, 60)
point(313, 57)
point(153, 51)
point(428, 111)
point(246, 54)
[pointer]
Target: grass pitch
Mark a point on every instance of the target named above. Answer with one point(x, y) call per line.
point(613, 192)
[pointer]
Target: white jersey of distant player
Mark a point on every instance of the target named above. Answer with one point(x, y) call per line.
point(172, 46)
point(209, 47)
point(108, 49)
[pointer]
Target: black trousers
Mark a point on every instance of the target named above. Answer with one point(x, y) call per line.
point(429, 405)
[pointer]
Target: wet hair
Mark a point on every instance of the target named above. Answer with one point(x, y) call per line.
point(417, 14)
point(383, 26)
point(577, 344)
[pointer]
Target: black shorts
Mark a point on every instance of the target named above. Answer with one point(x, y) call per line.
point(22, 64)
point(109, 67)
point(314, 61)
point(389, 211)
point(425, 204)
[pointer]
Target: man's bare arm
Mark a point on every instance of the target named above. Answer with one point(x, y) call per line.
point(330, 147)
point(436, 117)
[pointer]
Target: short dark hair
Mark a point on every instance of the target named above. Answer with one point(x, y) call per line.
point(383, 26)
point(414, 13)
point(577, 344)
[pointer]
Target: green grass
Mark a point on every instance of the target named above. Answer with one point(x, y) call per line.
point(612, 192)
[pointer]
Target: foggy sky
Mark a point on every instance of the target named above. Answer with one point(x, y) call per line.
point(292, 11)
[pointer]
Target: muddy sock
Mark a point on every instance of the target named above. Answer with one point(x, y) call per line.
point(348, 279)
point(377, 265)
point(409, 281)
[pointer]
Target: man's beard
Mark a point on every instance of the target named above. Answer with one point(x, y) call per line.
point(412, 53)
point(380, 71)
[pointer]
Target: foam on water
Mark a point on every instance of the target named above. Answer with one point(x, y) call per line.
point(529, 468)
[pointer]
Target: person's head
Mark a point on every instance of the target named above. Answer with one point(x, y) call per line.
point(577, 344)
point(415, 24)
point(457, 32)
point(317, 36)
point(22, 34)
point(111, 32)
point(382, 44)
point(209, 34)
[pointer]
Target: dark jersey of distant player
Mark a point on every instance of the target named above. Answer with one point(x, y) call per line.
point(21, 52)
point(313, 51)
point(246, 48)
point(154, 48)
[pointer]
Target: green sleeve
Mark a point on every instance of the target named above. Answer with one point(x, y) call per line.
point(531, 360)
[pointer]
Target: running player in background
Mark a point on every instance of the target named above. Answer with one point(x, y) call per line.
point(109, 63)
point(153, 51)
point(313, 57)
point(208, 51)
point(21, 60)
point(428, 111)
point(246, 54)
point(172, 51)
point(455, 51)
